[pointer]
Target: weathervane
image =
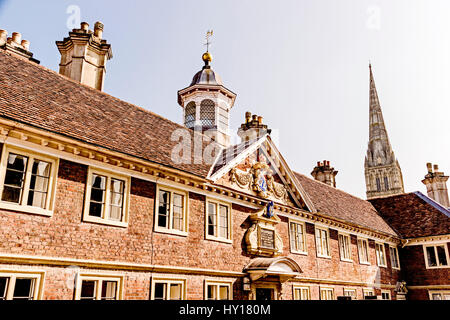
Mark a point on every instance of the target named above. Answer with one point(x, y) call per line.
point(209, 34)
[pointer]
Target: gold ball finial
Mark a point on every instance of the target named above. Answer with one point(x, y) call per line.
point(207, 57)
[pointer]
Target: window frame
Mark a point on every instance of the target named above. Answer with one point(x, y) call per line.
point(305, 247)
point(396, 255)
point(440, 292)
point(218, 203)
point(384, 254)
point(299, 290)
point(345, 235)
point(218, 284)
point(99, 278)
point(435, 245)
point(354, 296)
point(106, 207)
point(366, 291)
point(333, 297)
point(386, 292)
point(366, 241)
point(327, 230)
point(168, 281)
point(13, 275)
point(169, 229)
point(23, 207)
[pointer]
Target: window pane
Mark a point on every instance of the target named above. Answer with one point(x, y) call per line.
point(211, 292)
point(163, 210)
point(88, 288)
point(175, 292)
point(207, 113)
point(109, 290)
point(40, 176)
point(211, 219)
point(23, 289)
point(190, 115)
point(117, 194)
point(431, 256)
point(223, 221)
point(223, 292)
point(3, 286)
point(292, 236)
point(436, 296)
point(98, 189)
point(160, 291)
point(177, 218)
point(14, 178)
point(441, 255)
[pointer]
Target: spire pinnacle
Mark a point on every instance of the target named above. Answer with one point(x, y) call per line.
point(207, 57)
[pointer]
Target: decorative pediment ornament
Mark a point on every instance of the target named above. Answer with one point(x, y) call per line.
point(259, 178)
point(261, 238)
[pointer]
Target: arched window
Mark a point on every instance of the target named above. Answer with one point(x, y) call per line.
point(207, 113)
point(386, 183)
point(189, 116)
point(378, 184)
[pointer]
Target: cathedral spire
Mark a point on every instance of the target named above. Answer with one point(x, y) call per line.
point(383, 173)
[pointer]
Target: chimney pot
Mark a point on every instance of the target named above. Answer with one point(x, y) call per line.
point(17, 37)
point(98, 29)
point(430, 167)
point(260, 120)
point(85, 26)
point(436, 167)
point(3, 36)
point(26, 45)
point(248, 117)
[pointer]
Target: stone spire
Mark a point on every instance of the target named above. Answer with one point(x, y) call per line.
point(382, 170)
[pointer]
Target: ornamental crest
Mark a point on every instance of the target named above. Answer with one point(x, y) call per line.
point(259, 178)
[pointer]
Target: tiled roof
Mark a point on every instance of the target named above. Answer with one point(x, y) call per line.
point(341, 205)
point(42, 98)
point(414, 215)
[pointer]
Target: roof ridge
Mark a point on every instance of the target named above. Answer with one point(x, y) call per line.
point(433, 203)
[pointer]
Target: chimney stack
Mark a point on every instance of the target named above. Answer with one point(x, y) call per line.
point(16, 46)
point(323, 172)
point(436, 183)
point(84, 55)
point(253, 127)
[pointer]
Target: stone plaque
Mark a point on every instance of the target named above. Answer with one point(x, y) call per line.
point(267, 238)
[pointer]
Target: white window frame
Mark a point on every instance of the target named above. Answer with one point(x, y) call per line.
point(440, 292)
point(298, 292)
point(397, 256)
point(99, 278)
point(106, 207)
point(328, 289)
point(22, 206)
point(388, 292)
point(349, 248)
point(366, 241)
point(303, 226)
point(217, 203)
point(321, 255)
point(368, 293)
point(168, 281)
point(379, 263)
point(353, 296)
point(434, 245)
point(218, 284)
point(169, 229)
point(12, 275)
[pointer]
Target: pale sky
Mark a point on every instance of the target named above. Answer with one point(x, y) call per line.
point(302, 65)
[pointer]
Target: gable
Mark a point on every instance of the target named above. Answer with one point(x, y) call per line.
point(256, 168)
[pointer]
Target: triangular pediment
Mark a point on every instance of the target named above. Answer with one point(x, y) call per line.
point(258, 169)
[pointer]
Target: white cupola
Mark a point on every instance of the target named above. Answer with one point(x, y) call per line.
point(207, 103)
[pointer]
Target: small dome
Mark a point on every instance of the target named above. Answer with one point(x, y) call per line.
point(207, 76)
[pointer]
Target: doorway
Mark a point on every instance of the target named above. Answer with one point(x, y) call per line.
point(264, 294)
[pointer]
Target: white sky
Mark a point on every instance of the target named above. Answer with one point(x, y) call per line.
point(302, 65)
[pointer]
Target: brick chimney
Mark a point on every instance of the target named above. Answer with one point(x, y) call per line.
point(323, 172)
point(253, 128)
point(436, 183)
point(84, 55)
point(16, 46)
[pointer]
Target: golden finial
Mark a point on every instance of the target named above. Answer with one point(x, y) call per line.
point(207, 57)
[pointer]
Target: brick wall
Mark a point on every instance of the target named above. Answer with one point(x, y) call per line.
point(66, 235)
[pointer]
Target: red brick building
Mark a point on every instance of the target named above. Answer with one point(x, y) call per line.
point(101, 199)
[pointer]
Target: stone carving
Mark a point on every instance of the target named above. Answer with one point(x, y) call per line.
point(257, 236)
point(401, 288)
point(260, 179)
